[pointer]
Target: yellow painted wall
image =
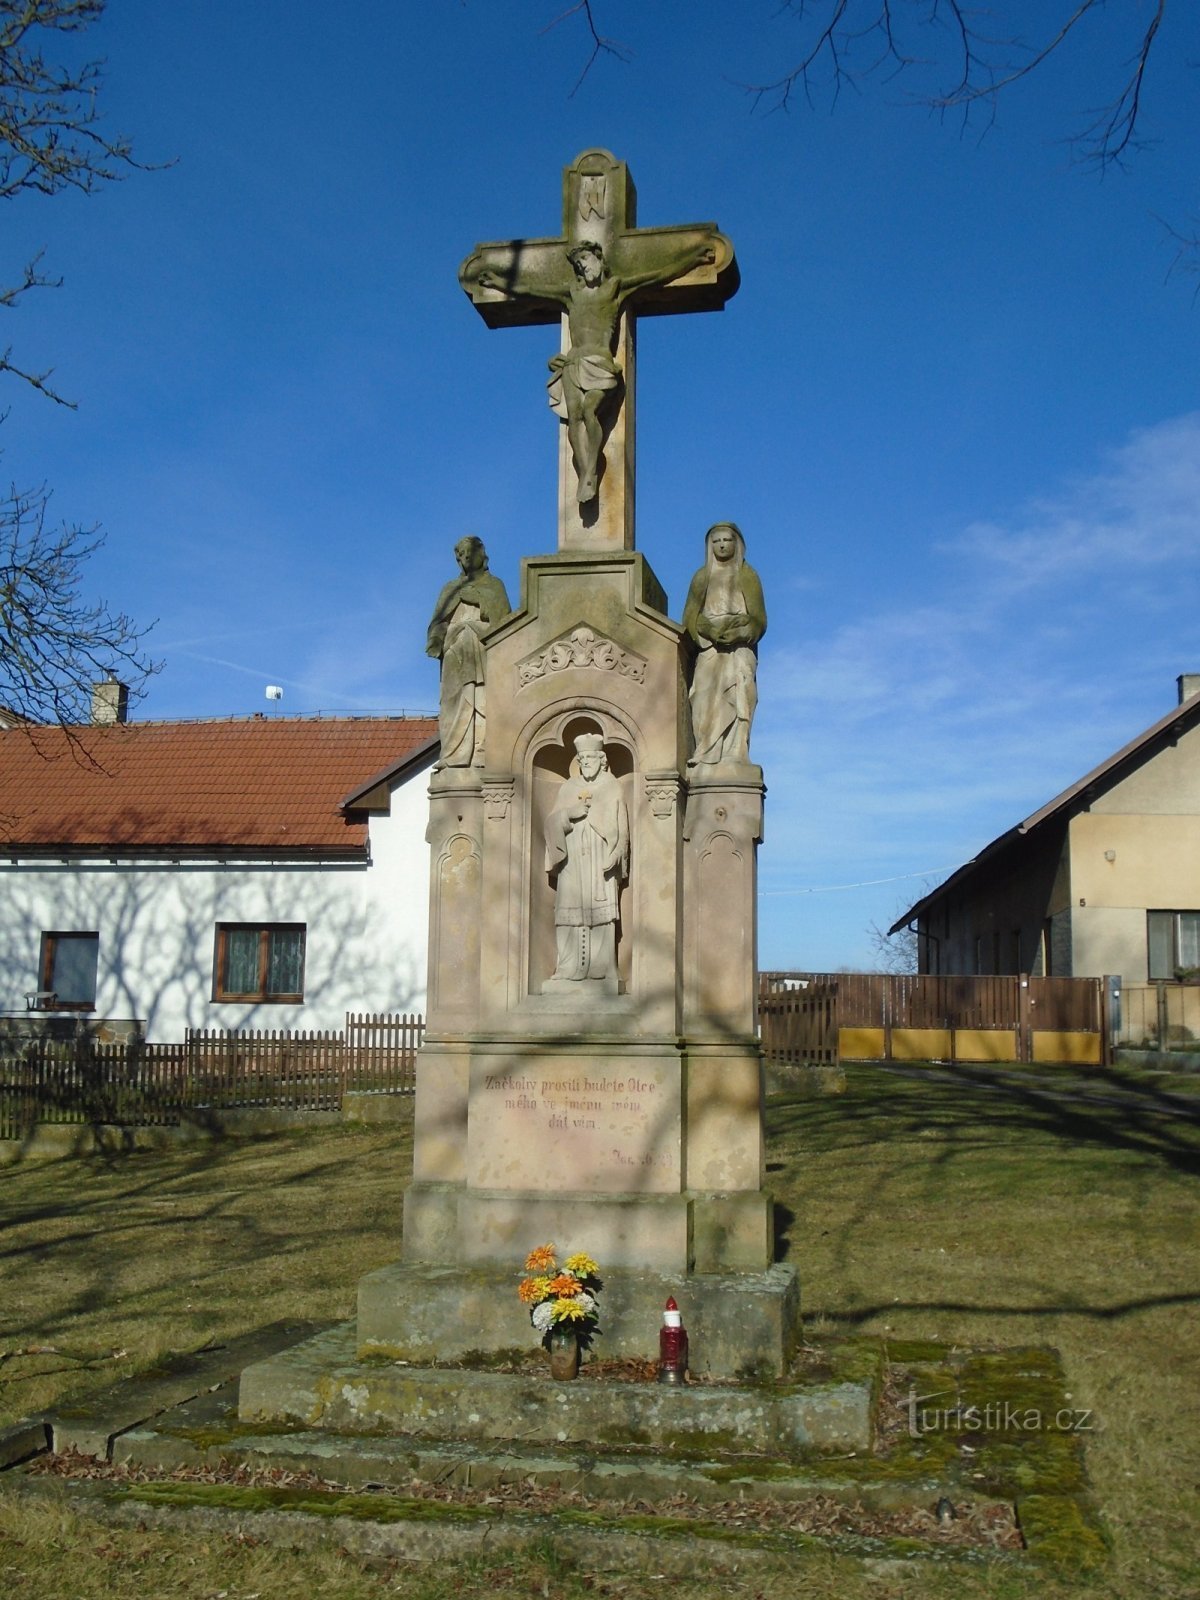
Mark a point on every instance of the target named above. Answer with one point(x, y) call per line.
point(861, 1044)
point(921, 1044)
point(1078, 1049)
point(985, 1044)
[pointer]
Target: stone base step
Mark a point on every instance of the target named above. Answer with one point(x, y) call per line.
point(705, 1494)
point(323, 1384)
point(206, 1434)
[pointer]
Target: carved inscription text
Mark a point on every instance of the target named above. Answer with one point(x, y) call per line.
point(578, 1129)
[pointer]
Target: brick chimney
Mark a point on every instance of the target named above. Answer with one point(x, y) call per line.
point(110, 701)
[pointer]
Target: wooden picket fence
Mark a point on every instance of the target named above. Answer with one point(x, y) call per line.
point(134, 1083)
point(381, 1050)
point(814, 1018)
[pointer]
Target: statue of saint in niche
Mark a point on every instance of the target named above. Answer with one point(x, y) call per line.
point(466, 608)
point(725, 617)
point(585, 375)
point(587, 859)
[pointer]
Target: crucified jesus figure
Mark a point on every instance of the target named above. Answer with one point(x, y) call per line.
point(583, 377)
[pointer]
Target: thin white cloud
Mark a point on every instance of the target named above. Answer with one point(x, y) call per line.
point(1140, 507)
point(917, 732)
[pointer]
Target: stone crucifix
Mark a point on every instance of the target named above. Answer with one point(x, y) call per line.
point(597, 280)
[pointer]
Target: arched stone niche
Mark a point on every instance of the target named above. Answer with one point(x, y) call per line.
point(550, 761)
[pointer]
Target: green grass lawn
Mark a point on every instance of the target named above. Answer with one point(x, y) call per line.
point(982, 1208)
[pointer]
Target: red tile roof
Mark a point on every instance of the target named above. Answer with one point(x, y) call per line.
point(257, 784)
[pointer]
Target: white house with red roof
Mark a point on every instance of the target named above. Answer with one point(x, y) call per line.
point(264, 872)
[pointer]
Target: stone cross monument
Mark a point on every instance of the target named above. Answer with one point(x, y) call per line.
point(591, 1072)
point(598, 278)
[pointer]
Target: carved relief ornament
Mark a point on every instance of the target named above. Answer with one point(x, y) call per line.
point(662, 792)
point(497, 797)
point(581, 648)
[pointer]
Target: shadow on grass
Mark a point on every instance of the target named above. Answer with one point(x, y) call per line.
point(1104, 1109)
point(859, 1314)
point(184, 1235)
point(1032, 1161)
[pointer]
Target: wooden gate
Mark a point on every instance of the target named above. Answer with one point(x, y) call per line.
point(822, 1017)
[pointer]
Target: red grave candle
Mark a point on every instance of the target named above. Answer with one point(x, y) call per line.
point(672, 1345)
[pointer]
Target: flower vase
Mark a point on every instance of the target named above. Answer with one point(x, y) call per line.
point(564, 1352)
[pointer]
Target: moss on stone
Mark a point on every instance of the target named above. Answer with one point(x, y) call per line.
point(1028, 1455)
point(1063, 1531)
point(219, 1436)
point(493, 1360)
point(308, 1502)
point(914, 1352)
point(501, 1360)
point(389, 1509)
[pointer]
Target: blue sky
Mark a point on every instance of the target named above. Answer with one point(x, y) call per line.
point(953, 407)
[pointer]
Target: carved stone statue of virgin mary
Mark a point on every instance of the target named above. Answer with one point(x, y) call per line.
point(724, 617)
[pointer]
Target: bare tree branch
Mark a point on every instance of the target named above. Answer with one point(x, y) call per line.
point(1187, 253)
point(600, 45)
point(54, 644)
point(986, 66)
point(1113, 130)
point(35, 380)
point(30, 279)
point(845, 42)
point(893, 952)
point(49, 135)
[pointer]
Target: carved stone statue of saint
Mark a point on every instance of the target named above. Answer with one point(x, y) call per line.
point(725, 617)
point(587, 859)
point(585, 375)
point(466, 608)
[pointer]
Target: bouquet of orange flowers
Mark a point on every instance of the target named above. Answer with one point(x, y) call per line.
point(555, 1294)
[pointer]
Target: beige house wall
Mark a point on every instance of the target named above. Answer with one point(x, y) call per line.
point(1109, 939)
point(1137, 849)
point(1168, 784)
point(1155, 861)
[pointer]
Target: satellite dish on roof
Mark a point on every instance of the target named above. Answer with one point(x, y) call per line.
point(274, 692)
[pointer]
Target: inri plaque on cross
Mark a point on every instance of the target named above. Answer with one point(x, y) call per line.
point(598, 279)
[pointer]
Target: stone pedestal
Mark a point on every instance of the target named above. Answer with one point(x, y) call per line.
point(623, 1118)
point(739, 1324)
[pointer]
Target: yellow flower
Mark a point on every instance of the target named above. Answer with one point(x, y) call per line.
point(582, 1265)
point(569, 1311)
point(541, 1259)
point(532, 1290)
